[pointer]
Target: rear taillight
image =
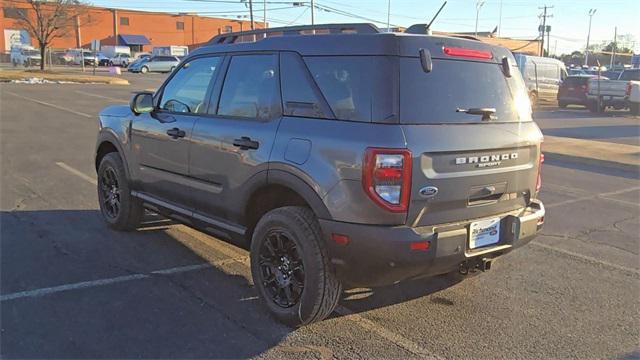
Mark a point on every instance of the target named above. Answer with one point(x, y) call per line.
point(585, 88)
point(628, 91)
point(539, 181)
point(386, 177)
point(468, 53)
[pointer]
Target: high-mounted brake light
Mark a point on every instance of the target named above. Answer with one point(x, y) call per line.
point(469, 53)
point(386, 177)
point(539, 181)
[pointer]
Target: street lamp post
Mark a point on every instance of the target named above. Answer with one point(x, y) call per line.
point(478, 7)
point(586, 51)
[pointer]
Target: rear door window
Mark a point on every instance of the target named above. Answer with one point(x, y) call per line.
point(435, 97)
point(357, 88)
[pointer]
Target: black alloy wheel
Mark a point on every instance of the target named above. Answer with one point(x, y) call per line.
point(110, 193)
point(281, 268)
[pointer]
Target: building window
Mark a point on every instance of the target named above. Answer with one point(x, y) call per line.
point(124, 20)
point(179, 25)
point(228, 29)
point(14, 13)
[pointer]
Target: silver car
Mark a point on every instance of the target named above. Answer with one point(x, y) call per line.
point(155, 64)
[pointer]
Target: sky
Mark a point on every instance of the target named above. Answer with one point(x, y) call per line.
point(569, 19)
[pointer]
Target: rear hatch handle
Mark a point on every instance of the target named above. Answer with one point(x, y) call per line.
point(487, 113)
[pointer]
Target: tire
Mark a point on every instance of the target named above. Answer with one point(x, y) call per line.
point(129, 211)
point(144, 70)
point(314, 290)
point(593, 107)
point(634, 108)
point(171, 70)
point(562, 105)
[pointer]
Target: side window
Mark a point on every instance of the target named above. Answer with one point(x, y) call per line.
point(250, 88)
point(186, 91)
point(356, 87)
point(298, 93)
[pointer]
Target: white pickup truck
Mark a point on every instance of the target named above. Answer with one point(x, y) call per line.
point(619, 94)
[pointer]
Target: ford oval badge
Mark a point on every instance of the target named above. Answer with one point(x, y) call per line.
point(428, 191)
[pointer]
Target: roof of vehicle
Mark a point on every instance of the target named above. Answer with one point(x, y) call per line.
point(369, 42)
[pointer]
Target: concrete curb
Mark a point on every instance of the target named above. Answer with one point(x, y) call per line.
point(8, 75)
point(590, 152)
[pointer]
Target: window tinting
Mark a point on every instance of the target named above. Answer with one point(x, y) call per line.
point(299, 95)
point(432, 98)
point(124, 21)
point(186, 91)
point(251, 88)
point(358, 88)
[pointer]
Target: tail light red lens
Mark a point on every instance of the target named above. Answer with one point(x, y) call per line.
point(584, 88)
point(386, 177)
point(468, 53)
point(628, 90)
point(539, 181)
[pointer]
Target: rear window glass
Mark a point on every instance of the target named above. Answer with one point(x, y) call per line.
point(357, 88)
point(433, 98)
point(580, 80)
point(630, 75)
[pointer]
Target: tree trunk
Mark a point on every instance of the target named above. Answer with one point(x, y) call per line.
point(43, 50)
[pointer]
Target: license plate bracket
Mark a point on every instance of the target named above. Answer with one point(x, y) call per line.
point(484, 233)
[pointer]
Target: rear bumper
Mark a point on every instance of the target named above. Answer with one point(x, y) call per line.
point(380, 255)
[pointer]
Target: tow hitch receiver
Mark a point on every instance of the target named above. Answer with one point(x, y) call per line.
point(473, 265)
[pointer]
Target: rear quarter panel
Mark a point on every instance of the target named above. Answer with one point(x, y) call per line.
point(330, 162)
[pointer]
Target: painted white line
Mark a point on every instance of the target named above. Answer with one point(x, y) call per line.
point(587, 258)
point(596, 196)
point(395, 338)
point(101, 96)
point(49, 104)
point(77, 173)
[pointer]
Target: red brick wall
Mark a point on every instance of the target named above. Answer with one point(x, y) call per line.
point(159, 28)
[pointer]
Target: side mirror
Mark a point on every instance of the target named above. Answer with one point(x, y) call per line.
point(141, 102)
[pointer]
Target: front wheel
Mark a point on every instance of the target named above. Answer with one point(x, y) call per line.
point(144, 70)
point(119, 209)
point(290, 267)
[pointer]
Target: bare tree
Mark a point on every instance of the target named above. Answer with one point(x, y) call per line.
point(51, 19)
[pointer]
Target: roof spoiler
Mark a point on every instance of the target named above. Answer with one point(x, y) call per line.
point(259, 34)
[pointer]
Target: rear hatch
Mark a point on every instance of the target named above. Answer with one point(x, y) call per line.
point(574, 87)
point(472, 164)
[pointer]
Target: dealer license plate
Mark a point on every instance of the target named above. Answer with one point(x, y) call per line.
point(484, 232)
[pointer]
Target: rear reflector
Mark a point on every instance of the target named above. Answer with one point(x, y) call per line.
point(539, 181)
point(340, 239)
point(469, 53)
point(420, 245)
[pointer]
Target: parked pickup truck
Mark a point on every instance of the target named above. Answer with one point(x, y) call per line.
point(613, 93)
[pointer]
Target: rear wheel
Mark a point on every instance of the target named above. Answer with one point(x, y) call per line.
point(290, 267)
point(144, 70)
point(119, 209)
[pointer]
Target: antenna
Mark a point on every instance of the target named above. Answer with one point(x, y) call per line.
point(428, 27)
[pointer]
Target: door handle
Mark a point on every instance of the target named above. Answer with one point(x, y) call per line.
point(176, 133)
point(245, 143)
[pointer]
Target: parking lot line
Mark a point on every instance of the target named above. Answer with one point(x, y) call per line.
point(603, 196)
point(101, 96)
point(49, 104)
point(587, 258)
point(77, 173)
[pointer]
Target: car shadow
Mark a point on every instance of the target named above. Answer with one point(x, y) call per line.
point(203, 312)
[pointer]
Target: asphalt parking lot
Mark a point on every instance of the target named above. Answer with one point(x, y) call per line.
point(72, 288)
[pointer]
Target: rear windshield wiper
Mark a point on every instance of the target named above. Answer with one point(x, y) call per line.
point(487, 113)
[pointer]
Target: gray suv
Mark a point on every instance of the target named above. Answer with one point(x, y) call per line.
point(337, 154)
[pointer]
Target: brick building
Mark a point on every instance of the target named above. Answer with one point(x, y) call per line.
point(140, 30)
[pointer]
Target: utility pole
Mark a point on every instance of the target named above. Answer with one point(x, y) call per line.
point(264, 13)
point(500, 19)
point(478, 7)
point(389, 16)
point(548, 28)
point(253, 25)
point(543, 28)
point(615, 47)
point(313, 10)
point(586, 51)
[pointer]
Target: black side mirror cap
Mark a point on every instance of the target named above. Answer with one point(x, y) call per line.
point(141, 102)
point(425, 60)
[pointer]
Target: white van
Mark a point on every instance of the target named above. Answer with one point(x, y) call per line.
point(542, 76)
point(25, 55)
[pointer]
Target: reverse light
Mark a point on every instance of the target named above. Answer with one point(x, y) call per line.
point(539, 181)
point(386, 177)
point(468, 53)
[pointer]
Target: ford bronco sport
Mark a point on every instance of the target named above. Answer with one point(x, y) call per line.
point(339, 154)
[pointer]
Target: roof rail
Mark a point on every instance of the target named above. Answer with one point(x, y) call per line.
point(259, 34)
